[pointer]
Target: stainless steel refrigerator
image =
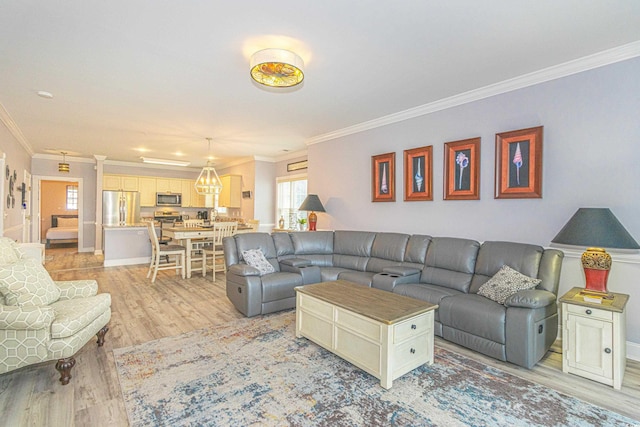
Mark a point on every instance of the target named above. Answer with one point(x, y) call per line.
point(120, 207)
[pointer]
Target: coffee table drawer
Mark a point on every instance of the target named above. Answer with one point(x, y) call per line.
point(410, 354)
point(417, 326)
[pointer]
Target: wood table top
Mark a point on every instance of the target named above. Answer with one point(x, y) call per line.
point(382, 306)
point(616, 304)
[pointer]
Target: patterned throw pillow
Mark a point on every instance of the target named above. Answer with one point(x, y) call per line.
point(505, 283)
point(255, 258)
point(26, 282)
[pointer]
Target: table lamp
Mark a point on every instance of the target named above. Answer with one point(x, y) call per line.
point(596, 228)
point(312, 203)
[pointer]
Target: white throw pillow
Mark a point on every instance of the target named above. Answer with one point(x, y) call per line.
point(26, 282)
point(505, 283)
point(255, 258)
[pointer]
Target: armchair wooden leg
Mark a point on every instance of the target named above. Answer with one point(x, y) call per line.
point(64, 367)
point(101, 333)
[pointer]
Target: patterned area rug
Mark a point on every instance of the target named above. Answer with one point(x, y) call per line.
point(255, 372)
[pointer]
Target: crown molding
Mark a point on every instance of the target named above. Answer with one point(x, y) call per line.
point(58, 158)
point(14, 129)
point(600, 59)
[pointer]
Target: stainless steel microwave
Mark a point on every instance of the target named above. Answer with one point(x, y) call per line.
point(168, 199)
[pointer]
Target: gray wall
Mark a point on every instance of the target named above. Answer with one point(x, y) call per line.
point(591, 137)
point(18, 159)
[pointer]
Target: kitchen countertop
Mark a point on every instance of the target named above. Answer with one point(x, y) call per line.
point(135, 225)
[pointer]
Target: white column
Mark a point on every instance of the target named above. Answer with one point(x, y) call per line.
point(99, 173)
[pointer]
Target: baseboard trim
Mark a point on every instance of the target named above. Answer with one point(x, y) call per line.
point(127, 261)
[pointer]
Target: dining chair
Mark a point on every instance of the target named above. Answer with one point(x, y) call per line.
point(158, 251)
point(196, 244)
point(254, 224)
point(214, 252)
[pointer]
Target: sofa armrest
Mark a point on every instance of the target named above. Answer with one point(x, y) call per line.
point(296, 262)
point(28, 317)
point(72, 289)
point(531, 298)
point(401, 271)
point(244, 270)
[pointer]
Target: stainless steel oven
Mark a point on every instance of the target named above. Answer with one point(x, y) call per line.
point(169, 199)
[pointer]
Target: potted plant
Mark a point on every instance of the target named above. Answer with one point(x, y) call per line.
point(302, 223)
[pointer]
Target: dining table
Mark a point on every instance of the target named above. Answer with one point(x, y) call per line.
point(187, 234)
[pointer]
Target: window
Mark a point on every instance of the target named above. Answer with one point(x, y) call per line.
point(72, 197)
point(292, 191)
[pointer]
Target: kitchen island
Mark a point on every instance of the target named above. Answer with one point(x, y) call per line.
point(126, 244)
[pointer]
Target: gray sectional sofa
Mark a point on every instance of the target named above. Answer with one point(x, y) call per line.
point(441, 270)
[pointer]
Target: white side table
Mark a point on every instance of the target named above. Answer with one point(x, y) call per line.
point(594, 337)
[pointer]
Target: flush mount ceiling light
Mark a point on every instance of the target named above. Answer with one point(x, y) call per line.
point(208, 181)
point(277, 68)
point(63, 166)
point(164, 162)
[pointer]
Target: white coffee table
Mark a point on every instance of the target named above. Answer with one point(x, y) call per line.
point(384, 334)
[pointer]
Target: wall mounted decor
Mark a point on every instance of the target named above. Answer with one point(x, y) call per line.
point(418, 174)
point(383, 178)
point(462, 170)
point(518, 172)
point(297, 166)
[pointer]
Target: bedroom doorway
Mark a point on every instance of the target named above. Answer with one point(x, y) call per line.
point(54, 199)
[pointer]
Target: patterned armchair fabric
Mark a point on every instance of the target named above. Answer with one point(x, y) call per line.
point(43, 320)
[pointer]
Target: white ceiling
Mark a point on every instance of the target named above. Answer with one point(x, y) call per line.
point(161, 76)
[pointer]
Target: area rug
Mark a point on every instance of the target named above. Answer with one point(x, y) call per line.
point(255, 372)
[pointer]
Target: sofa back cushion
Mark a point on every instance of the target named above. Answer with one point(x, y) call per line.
point(416, 253)
point(26, 282)
point(315, 246)
point(283, 244)
point(450, 263)
point(262, 241)
point(388, 249)
point(352, 249)
point(523, 258)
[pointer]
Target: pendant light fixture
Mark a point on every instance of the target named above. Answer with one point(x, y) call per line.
point(64, 166)
point(208, 181)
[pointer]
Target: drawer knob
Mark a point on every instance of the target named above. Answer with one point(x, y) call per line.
point(588, 311)
point(413, 351)
point(414, 327)
point(607, 350)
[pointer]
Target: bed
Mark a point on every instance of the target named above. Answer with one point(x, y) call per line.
point(64, 229)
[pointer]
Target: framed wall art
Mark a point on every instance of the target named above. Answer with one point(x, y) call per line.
point(418, 174)
point(518, 172)
point(383, 178)
point(462, 170)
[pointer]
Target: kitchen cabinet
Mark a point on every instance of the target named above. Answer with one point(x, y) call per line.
point(120, 182)
point(594, 337)
point(168, 185)
point(231, 194)
point(147, 188)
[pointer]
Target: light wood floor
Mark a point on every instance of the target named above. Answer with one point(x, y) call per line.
point(141, 311)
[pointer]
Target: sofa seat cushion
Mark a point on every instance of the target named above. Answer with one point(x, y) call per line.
point(359, 277)
point(26, 282)
point(476, 315)
point(277, 286)
point(72, 315)
point(430, 293)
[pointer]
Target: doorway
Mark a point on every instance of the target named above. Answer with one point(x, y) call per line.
point(59, 197)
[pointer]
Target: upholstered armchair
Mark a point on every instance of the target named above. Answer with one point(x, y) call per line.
point(42, 319)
